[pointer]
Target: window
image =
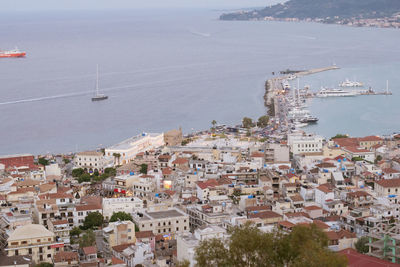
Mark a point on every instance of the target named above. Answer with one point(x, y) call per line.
point(30, 251)
point(130, 230)
point(129, 238)
point(48, 255)
point(159, 231)
point(184, 228)
point(16, 252)
point(177, 228)
point(14, 243)
point(62, 200)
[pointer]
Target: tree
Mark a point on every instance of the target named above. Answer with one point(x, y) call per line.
point(340, 136)
point(43, 161)
point(122, 216)
point(361, 245)
point(184, 263)
point(88, 239)
point(378, 158)
point(84, 178)
point(247, 122)
point(77, 172)
point(110, 171)
point(66, 161)
point(76, 231)
point(213, 123)
point(93, 219)
point(117, 156)
point(143, 168)
point(248, 246)
point(263, 121)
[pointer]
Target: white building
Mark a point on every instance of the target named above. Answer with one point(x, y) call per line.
point(90, 161)
point(126, 151)
point(166, 222)
point(125, 204)
point(301, 144)
point(187, 243)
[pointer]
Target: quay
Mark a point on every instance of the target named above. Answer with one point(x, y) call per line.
point(287, 111)
point(274, 90)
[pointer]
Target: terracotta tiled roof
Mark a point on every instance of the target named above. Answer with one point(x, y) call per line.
point(356, 259)
point(324, 189)
point(389, 183)
point(122, 247)
point(286, 224)
point(207, 184)
point(87, 207)
point(89, 250)
point(180, 161)
point(265, 215)
point(64, 256)
point(144, 234)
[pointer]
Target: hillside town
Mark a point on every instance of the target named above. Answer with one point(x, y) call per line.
point(153, 198)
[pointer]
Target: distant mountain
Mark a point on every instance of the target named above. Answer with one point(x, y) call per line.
point(322, 9)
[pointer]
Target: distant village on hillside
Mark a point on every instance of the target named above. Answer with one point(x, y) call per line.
point(152, 199)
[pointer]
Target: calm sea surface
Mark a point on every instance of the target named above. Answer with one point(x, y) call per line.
point(168, 68)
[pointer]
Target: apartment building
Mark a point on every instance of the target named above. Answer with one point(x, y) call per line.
point(387, 187)
point(167, 222)
point(90, 161)
point(33, 240)
point(118, 233)
point(121, 204)
point(303, 144)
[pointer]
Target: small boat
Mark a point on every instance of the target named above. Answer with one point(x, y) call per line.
point(324, 92)
point(348, 83)
point(309, 119)
point(12, 53)
point(97, 95)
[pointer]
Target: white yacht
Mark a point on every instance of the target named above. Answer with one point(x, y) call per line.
point(324, 92)
point(348, 83)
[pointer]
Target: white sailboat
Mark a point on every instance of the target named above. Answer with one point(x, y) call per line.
point(98, 96)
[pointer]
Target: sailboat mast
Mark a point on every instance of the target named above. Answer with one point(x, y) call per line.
point(97, 79)
point(387, 86)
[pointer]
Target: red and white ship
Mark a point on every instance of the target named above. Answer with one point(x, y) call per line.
point(12, 53)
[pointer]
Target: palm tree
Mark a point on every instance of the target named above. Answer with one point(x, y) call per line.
point(214, 122)
point(116, 156)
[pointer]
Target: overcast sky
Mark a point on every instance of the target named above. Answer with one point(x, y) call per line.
point(16, 5)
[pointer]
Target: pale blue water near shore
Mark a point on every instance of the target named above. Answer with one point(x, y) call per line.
point(168, 68)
